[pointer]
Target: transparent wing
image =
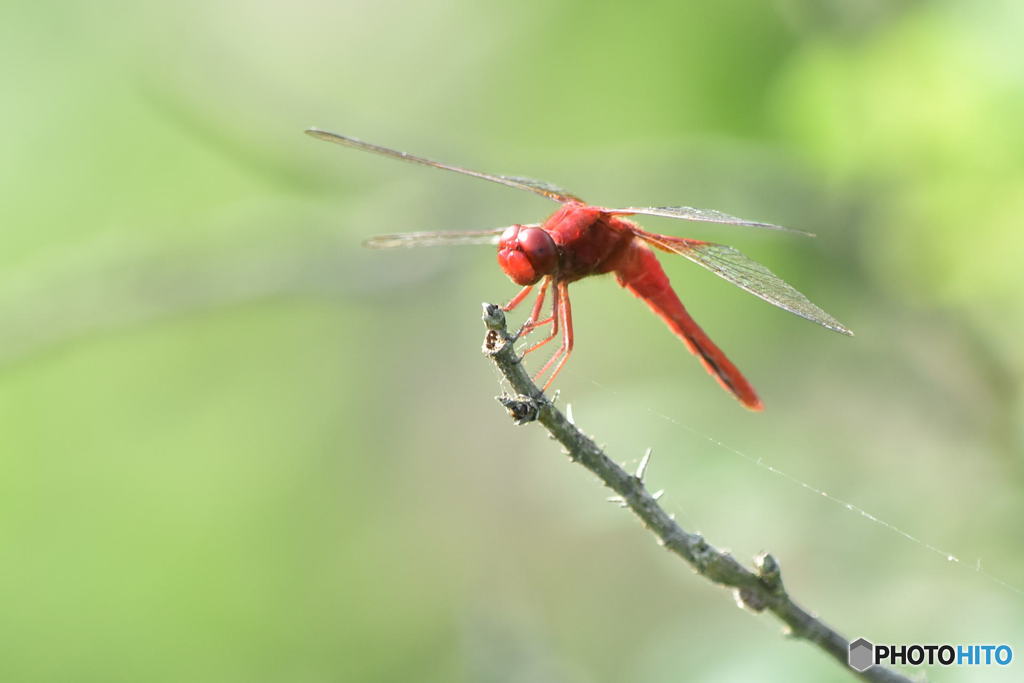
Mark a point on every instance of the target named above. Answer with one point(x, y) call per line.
point(729, 264)
point(437, 239)
point(688, 213)
point(529, 184)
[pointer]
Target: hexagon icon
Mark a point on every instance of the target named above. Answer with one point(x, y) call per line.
point(862, 654)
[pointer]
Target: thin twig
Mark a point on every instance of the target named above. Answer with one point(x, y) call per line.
point(757, 591)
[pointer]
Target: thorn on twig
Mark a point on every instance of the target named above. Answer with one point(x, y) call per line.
point(569, 415)
point(769, 572)
point(522, 409)
point(749, 599)
point(641, 469)
point(618, 500)
point(658, 494)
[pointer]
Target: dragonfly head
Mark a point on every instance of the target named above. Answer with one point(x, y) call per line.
point(527, 254)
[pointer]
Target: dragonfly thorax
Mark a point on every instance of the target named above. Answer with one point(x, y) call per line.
point(527, 254)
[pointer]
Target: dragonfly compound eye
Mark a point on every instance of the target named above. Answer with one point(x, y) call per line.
point(539, 248)
point(526, 254)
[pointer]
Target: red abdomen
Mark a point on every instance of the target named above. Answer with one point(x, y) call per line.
point(638, 271)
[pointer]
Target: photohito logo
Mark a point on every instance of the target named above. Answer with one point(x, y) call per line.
point(864, 654)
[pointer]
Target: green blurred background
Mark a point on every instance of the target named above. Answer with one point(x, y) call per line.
point(238, 447)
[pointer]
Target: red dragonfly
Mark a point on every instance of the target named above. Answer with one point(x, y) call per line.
point(580, 239)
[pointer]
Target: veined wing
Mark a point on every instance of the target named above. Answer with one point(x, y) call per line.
point(438, 239)
point(688, 213)
point(540, 187)
point(729, 264)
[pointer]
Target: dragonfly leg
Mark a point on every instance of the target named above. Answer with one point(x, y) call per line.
point(518, 298)
point(532, 322)
point(562, 355)
point(555, 305)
